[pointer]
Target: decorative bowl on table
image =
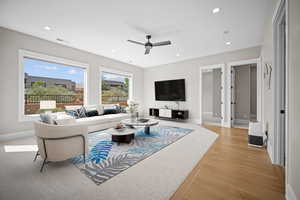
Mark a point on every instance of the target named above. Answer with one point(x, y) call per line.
point(119, 127)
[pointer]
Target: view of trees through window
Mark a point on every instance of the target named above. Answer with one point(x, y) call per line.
point(115, 88)
point(45, 81)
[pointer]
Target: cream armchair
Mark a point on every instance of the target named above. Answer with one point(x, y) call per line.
point(60, 142)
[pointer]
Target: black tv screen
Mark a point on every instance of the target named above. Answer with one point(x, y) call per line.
point(171, 90)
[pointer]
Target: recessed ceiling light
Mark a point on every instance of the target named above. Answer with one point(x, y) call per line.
point(177, 54)
point(216, 10)
point(113, 50)
point(47, 28)
point(228, 43)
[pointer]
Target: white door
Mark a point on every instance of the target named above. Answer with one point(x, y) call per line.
point(233, 99)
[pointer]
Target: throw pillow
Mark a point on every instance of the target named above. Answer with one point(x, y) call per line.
point(100, 109)
point(91, 113)
point(47, 118)
point(110, 111)
point(72, 111)
point(81, 112)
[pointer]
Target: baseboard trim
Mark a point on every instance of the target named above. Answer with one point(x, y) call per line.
point(17, 135)
point(195, 121)
point(290, 194)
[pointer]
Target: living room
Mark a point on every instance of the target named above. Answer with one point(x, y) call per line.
point(105, 100)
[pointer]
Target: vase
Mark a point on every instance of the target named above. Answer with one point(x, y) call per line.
point(134, 116)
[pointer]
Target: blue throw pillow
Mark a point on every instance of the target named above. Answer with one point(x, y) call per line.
point(46, 118)
point(110, 111)
point(91, 113)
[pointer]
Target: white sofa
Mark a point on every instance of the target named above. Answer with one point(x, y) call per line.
point(101, 122)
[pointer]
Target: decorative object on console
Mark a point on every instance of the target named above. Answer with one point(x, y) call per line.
point(169, 113)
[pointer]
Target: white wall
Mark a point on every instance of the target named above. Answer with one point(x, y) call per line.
point(189, 70)
point(11, 42)
point(268, 104)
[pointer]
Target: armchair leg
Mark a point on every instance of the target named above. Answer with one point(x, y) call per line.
point(44, 162)
point(36, 155)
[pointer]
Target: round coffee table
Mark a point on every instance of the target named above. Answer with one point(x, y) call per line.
point(146, 125)
point(124, 135)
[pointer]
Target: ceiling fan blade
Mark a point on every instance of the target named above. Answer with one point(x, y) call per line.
point(147, 51)
point(162, 43)
point(135, 42)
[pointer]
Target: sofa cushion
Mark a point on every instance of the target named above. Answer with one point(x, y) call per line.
point(102, 119)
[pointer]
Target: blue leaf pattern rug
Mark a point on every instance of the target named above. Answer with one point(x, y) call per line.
point(107, 159)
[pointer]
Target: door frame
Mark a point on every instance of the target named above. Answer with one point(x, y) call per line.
point(259, 78)
point(278, 157)
point(223, 99)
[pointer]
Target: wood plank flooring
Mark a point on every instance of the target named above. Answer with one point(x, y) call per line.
point(232, 170)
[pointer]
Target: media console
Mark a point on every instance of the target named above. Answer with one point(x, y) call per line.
point(169, 113)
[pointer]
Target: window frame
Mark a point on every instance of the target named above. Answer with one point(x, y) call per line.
point(119, 72)
point(46, 58)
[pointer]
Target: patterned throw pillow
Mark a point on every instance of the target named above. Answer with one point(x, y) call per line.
point(75, 111)
point(81, 112)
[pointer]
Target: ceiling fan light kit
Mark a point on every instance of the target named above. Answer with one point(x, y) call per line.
point(149, 45)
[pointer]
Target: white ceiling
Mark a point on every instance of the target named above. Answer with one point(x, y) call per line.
point(104, 26)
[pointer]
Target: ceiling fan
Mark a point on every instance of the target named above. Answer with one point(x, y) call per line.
point(148, 45)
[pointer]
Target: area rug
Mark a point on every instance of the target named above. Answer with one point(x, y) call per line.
point(107, 159)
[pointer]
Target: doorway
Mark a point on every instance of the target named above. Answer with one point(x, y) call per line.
point(212, 95)
point(243, 95)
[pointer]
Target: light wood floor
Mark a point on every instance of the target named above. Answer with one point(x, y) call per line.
point(232, 170)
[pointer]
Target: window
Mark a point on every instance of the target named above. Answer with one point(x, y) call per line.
point(50, 81)
point(115, 87)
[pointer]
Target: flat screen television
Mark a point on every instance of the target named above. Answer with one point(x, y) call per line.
point(171, 90)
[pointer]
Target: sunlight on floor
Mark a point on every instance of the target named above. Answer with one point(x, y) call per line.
point(20, 148)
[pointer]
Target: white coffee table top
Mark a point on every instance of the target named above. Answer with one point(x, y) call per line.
point(130, 122)
point(124, 131)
